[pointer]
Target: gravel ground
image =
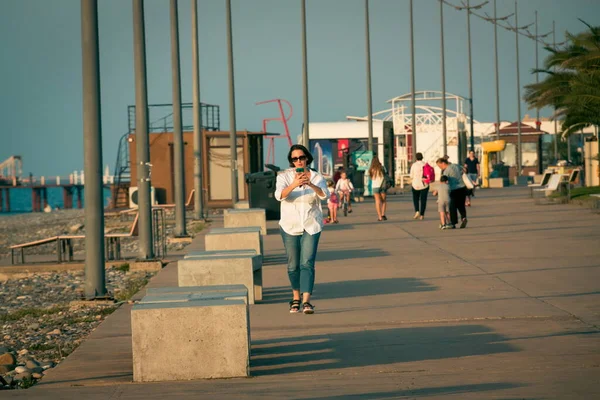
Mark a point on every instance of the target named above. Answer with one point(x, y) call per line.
point(39, 323)
point(40, 326)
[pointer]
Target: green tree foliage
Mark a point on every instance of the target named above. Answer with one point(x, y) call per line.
point(572, 82)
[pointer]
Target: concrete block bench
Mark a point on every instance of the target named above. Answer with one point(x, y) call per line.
point(248, 238)
point(224, 269)
point(190, 340)
point(239, 218)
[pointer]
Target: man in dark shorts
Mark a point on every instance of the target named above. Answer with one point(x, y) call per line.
point(472, 171)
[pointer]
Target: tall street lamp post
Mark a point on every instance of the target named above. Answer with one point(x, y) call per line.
point(516, 29)
point(306, 135)
point(444, 131)
point(180, 228)
point(495, 20)
point(369, 95)
point(146, 249)
point(468, 7)
point(232, 126)
point(95, 283)
point(536, 38)
point(197, 107)
point(412, 86)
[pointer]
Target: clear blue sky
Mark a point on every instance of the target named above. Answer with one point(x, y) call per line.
point(40, 69)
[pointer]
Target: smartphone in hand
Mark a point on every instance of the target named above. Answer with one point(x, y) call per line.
point(300, 171)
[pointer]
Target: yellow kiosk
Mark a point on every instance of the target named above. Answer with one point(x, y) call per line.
point(487, 148)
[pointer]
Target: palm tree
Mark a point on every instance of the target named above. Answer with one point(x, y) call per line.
point(572, 84)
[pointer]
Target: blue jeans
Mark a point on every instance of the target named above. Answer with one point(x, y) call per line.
point(301, 252)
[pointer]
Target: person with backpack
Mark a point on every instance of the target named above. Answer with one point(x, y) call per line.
point(422, 174)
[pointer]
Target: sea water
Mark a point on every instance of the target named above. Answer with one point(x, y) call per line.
point(20, 199)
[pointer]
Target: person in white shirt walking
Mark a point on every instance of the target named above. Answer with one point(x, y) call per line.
point(300, 191)
point(420, 186)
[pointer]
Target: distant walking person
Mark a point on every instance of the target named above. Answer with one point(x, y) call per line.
point(472, 170)
point(443, 193)
point(378, 186)
point(332, 203)
point(300, 191)
point(458, 192)
point(420, 185)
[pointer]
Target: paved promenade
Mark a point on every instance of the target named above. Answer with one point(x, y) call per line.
point(508, 308)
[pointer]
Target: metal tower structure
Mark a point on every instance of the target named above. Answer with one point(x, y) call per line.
point(284, 120)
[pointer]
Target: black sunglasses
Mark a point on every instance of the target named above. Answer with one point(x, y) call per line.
point(301, 158)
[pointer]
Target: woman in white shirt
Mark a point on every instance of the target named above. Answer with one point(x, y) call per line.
point(300, 191)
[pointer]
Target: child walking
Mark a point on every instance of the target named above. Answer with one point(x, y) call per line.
point(443, 192)
point(332, 203)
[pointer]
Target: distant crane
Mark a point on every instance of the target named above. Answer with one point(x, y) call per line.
point(271, 149)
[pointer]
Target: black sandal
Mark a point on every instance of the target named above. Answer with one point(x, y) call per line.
point(294, 306)
point(308, 308)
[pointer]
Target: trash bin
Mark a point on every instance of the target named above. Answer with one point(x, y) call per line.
point(261, 193)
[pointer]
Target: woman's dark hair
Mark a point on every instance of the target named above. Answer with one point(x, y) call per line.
point(309, 157)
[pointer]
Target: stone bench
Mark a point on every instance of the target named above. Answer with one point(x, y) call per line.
point(240, 218)
point(189, 340)
point(223, 269)
point(248, 238)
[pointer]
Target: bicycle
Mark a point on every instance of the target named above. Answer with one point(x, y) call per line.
point(345, 203)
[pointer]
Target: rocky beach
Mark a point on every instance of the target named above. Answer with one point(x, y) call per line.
point(42, 317)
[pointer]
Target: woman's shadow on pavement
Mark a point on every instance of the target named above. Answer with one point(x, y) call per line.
point(306, 353)
point(347, 289)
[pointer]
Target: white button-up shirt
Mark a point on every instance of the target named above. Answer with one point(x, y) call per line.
point(301, 210)
point(416, 175)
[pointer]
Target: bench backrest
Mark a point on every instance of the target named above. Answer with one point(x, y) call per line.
point(574, 175)
point(554, 182)
point(545, 178)
point(134, 227)
point(190, 198)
